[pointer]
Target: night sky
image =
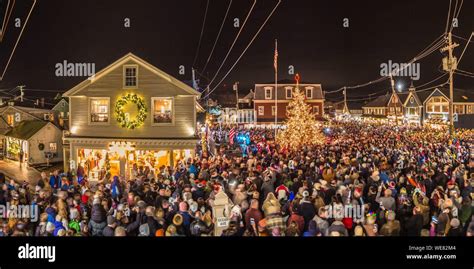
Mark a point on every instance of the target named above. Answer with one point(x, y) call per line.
point(166, 33)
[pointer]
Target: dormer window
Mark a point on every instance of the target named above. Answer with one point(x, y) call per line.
point(268, 92)
point(130, 73)
point(309, 92)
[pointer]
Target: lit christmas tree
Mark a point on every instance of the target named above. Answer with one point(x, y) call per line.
point(301, 127)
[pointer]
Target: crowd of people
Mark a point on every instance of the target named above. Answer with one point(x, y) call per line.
point(363, 180)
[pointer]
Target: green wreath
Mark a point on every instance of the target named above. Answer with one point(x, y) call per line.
point(120, 114)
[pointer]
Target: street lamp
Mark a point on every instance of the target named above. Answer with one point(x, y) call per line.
point(399, 86)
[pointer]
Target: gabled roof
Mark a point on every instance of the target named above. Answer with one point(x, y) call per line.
point(26, 129)
point(130, 57)
point(436, 92)
point(56, 106)
point(27, 110)
point(403, 96)
point(381, 101)
point(415, 96)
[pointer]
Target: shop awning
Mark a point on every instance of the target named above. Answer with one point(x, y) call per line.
point(26, 129)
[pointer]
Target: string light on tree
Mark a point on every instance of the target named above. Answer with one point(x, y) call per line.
point(301, 127)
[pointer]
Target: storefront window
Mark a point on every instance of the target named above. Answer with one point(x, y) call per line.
point(162, 110)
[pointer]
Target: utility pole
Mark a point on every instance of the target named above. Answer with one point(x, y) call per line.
point(195, 86)
point(450, 65)
point(236, 89)
point(393, 92)
point(21, 92)
point(346, 108)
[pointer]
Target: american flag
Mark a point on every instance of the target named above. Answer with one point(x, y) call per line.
point(275, 59)
point(232, 135)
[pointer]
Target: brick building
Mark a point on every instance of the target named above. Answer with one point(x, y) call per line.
point(264, 101)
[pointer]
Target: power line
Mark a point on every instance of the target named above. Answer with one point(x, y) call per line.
point(442, 75)
point(456, 15)
point(465, 47)
point(18, 40)
point(218, 35)
point(463, 38)
point(233, 43)
point(202, 31)
point(447, 19)
point(463, 74)
point(436, 44)
point(246, 48)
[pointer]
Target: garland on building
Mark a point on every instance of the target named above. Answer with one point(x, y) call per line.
point(302, 129)
point(121, 115)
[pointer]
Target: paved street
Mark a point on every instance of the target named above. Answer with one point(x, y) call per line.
point(12, 170)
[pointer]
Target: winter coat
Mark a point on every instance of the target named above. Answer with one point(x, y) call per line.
point(98, 213)
point(322, 224)
point(338, 226)
point(308, 212)
point(108, 231)
point(298, 219)
point(96, 228)
point(391, 228)
point(414, 225)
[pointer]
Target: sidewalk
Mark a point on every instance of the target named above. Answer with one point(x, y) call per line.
point(12, 170)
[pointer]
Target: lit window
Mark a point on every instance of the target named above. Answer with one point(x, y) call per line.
point(99, 109)
point(130, 76)
point(261, 110)
point(273, 110)
point(162, 110)
point(10, 119)
point(53, 147)
point(316, 110)
point(459, 109)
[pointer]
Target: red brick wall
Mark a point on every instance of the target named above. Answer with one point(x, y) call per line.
point(281, 113)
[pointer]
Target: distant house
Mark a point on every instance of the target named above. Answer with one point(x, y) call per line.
point(34, 142)
point(102, 138)
point(377, 108)
point(348, 109)
point(436, 105)
point(388, 107)
point(413, 107)
point(61, 112)
point(12, 115)
point(264, 100)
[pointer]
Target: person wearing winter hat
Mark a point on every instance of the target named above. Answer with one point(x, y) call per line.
point(312, 230)
point(455, 228)
point(111, 225)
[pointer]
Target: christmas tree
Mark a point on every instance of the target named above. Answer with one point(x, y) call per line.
point(301, 127)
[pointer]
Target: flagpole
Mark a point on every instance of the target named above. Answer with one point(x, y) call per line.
point(276, 85)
